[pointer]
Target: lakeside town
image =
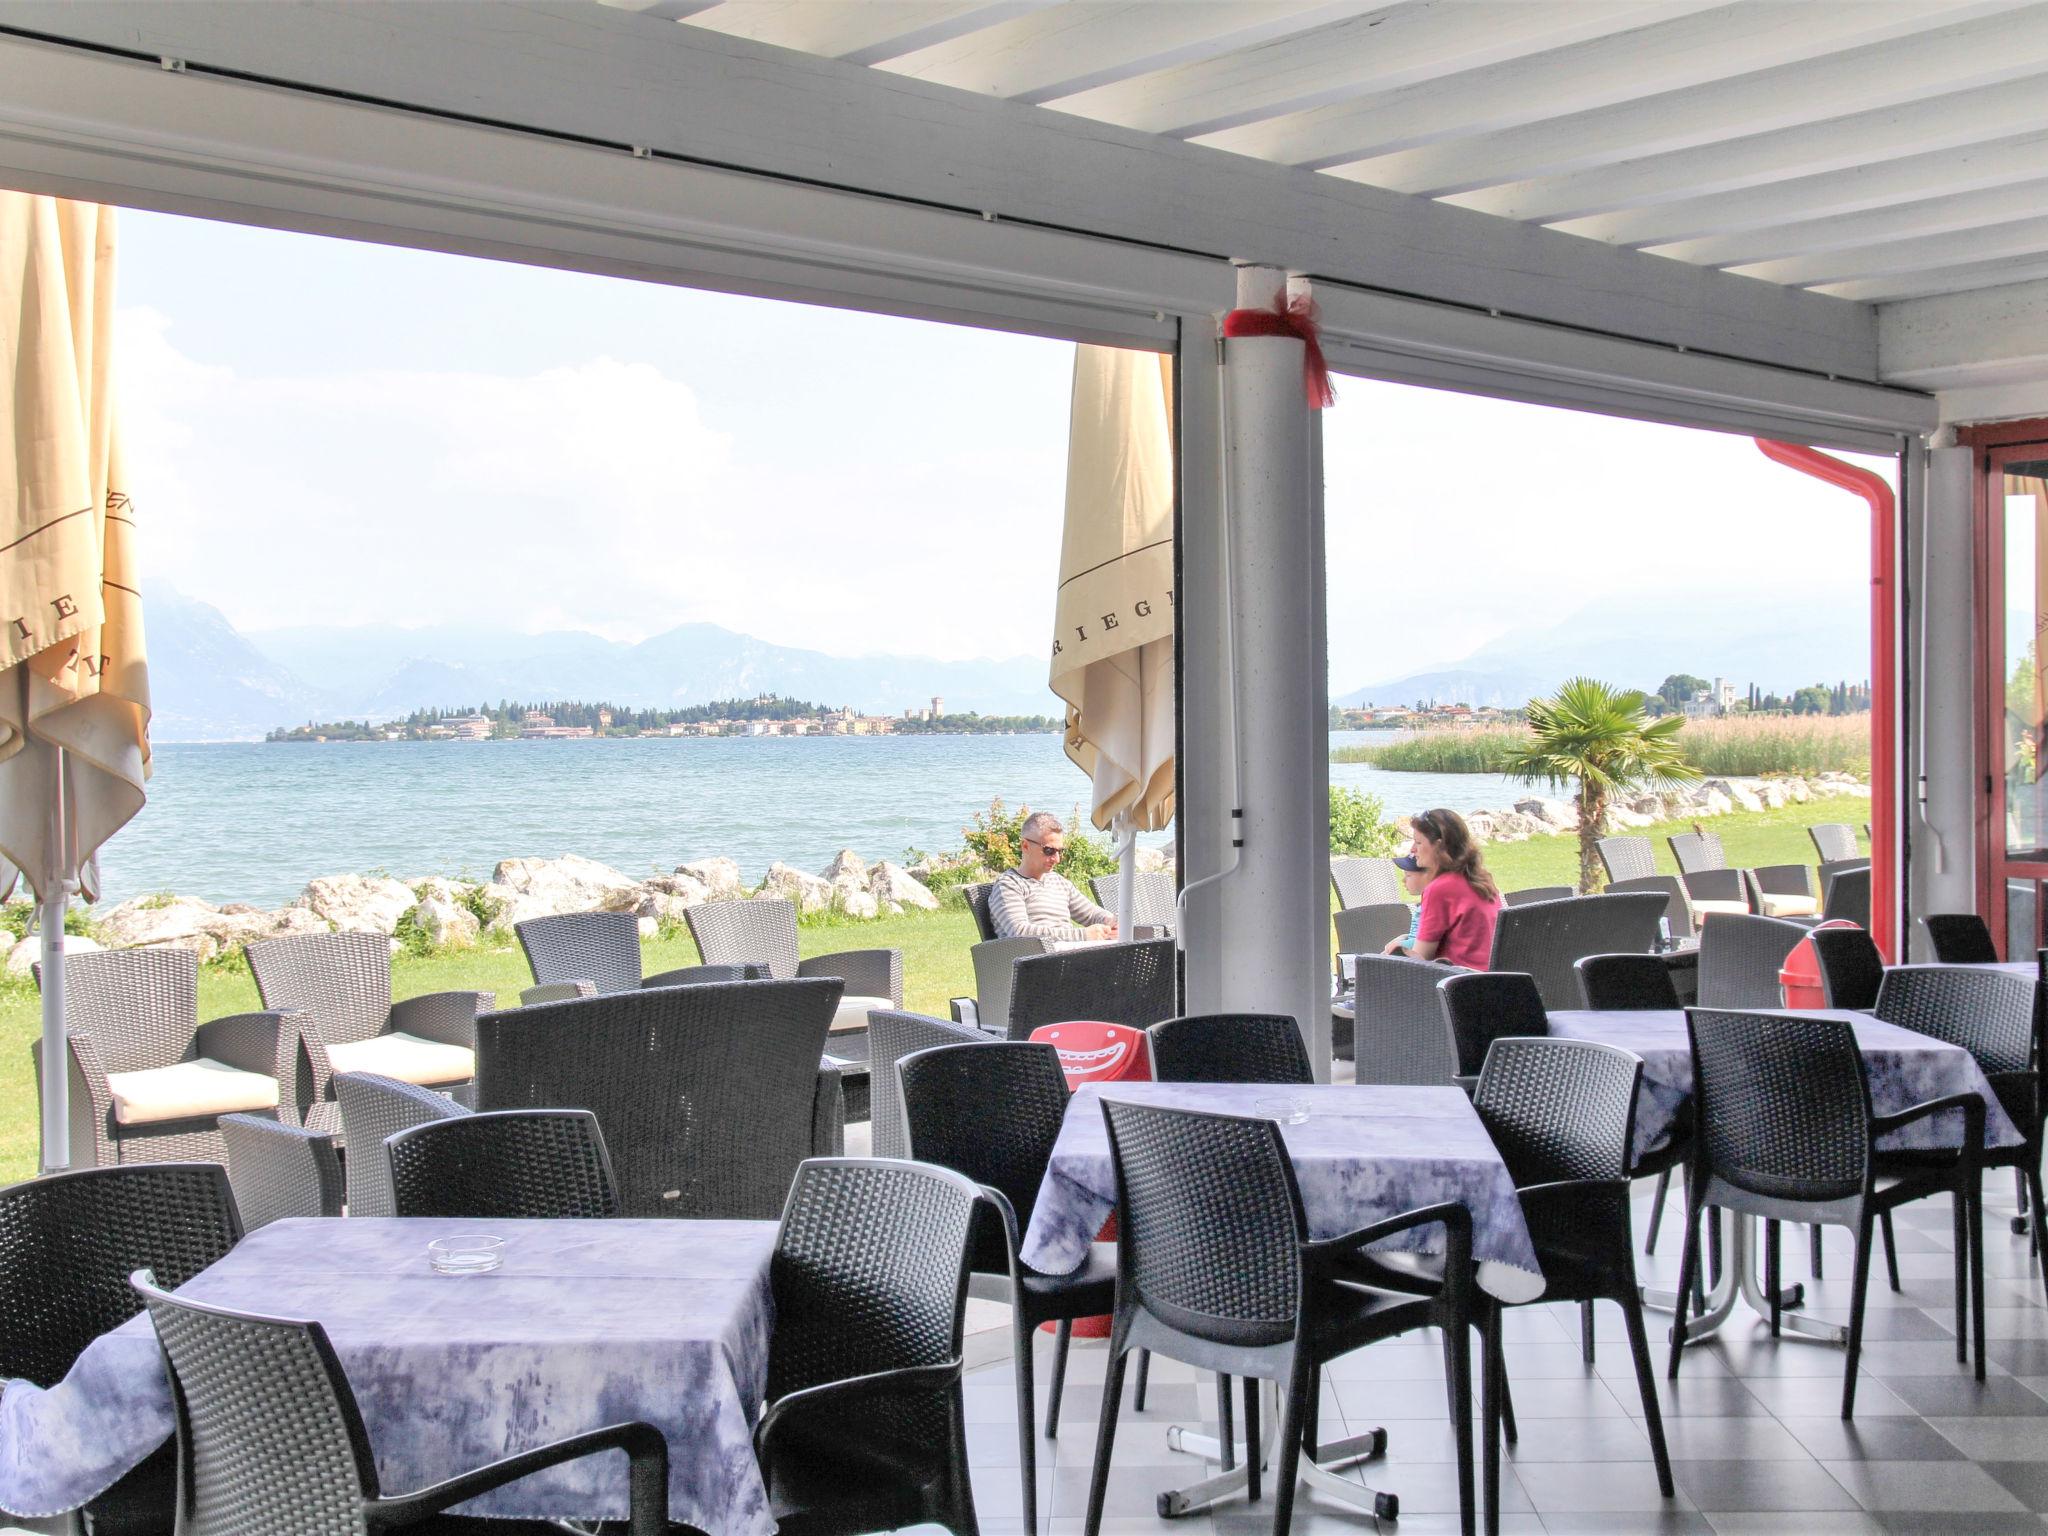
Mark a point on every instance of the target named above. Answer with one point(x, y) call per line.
point(766, 714)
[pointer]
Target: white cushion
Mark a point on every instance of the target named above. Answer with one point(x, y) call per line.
point(1789, 906)
point(1707, 908)
point(187, 1091)
point(853, 1012)
point(405, 1057)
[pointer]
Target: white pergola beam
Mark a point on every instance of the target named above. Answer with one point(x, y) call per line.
point(1817, 238)
point(865, 33)
point(1392, 46)
point(1923, 127)
point(1087, 44)
point(613, 78)
point(1996, 334)
point(1963, 277)
point(1989, 50)
point(2011, 239)
point(1875, 188)
point(1651, 50)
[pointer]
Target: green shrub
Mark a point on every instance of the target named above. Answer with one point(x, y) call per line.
point(1359, 825)
point(995, 844)
point(481, 905)
point(412, 938)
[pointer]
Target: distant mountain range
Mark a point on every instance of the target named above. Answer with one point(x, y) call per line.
point(1638, 641)
point(211, 682)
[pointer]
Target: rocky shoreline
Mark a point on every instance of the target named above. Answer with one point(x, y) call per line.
point(435, 912)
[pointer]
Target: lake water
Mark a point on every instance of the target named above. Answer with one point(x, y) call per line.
point(255, 821)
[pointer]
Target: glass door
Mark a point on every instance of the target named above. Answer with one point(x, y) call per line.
point(2016, 713)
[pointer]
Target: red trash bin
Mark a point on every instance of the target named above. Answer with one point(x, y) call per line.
point(1093, 1052)
point(1799, 977)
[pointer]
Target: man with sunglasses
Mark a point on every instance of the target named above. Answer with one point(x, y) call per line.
point(1035, 901)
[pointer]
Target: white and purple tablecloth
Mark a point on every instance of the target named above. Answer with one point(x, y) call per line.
point(1905, 1068)
point(1363, 1155)
point(588, 1323)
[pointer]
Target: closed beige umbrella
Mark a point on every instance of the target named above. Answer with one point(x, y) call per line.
point(1112, 652)
point(74, 685)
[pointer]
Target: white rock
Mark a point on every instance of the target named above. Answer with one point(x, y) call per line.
point(438, 888)
point(650, 928)
point(894, 886)
point(571, 883)
point(510, 907)
point(1773, 793)
point(161, 921)
point(1713, 802)
point(856, 902)
point(1621, 816)
point(358, 903)
point(29, 951)
point(1798, 791)
point(445, 924)
point(788, 884)
point(846, 866)
point(1153, 860)
point(719, 877)
point(1558, 815)
point(684, 890)
point(658, 907)
point(1739, 795)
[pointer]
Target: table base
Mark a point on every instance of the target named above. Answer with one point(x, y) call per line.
point(1739, 1280)
point(1318, 1471)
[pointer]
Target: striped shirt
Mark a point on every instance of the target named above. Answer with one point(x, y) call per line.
point(1046, 908)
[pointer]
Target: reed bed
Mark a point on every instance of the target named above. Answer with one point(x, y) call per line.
point(1736, 745)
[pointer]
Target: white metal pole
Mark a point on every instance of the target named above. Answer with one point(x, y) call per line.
point(54, 891)
point(1273, 908)
point(1127, 882)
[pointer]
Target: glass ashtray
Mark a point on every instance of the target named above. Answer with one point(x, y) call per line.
point(1284, 1108)
point(471, 1253)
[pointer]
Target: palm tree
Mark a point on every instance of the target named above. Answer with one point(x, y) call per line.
point(1601, 737)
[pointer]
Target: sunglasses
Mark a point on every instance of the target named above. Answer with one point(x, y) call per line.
point(1050, 850)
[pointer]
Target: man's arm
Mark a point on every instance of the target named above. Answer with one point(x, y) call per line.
point(1081, 909)
point(1011, 918)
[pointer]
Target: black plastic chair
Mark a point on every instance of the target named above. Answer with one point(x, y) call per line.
point(1562, 1113)
point(270, 1437)
point(508, 1165)
point(1547, 938)
point(68, 1242)
point(1960, 938)
point(281, 1171)
point(1111, 983)
point(1740, 956)
point(891, 1037)
point(1215, 1266)
point(865, 1428)
point(992, 1112)
point(1230, 1048)
point(1995, 1017)
point(1531, 893)
point(1367, 930)
point(1785, 1132)
point(373, 1110)
point(1626, 983)
point(1846, 895)
point(976, 897)
point(1851, 969)
point(1480, 1007)
point(1398, 1034)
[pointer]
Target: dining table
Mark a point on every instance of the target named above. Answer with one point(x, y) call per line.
point(1903, 1068)
point(585, 1324)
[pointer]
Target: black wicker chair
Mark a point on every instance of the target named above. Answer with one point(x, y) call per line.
point(1713, 887)
point(709, 1097)
point(280, 1170)
point(1398, 1030)
point(1110, 983)
point(1548, 938)
point(582, 954)
point(68, 1242)
point(1960, 938)
point(337, 986)
point(1562, 1113)
point(1480, 1007)
point(136, 1011)
point(763, 933)
point(995, 975)
point(1845, 891)
point(1786, 1133)
point(1230, 1048)
point(1215, 1266)
point(865, 1427)
point(270, 1437)
point(1678, 913)
point(1154, 904)
point(976, 897)
point(1995, 1017)
point(509, 1165)
point(1532, 893)
point(1610, 983)
point(373, 1110)
point(1740, 955)
point(1363, 882)
point(1368, 930)
point(1851, 969)
point(1834, 842)
point(994, 1117)
point(1627, 858)
point(892, 1037)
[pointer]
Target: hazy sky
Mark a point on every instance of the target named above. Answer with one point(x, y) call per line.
point(324, 432)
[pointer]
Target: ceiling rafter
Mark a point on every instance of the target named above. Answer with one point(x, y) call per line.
point(2017, 238)
point(870, 32)
point(1947, 215)
point(1937, 281)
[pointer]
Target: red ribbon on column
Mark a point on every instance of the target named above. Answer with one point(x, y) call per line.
point(1295, 317)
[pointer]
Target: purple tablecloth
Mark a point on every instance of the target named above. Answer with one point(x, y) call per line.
point(1364, 1154)
point(1905, 1069)
point(588, 1323)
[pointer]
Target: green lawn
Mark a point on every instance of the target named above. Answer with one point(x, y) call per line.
point(934, 945)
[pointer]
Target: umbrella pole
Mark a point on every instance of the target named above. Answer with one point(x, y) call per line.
point(55, 893)
point(1127, 883)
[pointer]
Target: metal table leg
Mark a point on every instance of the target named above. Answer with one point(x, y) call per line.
point(1319, 1471)
point(1739, 1279)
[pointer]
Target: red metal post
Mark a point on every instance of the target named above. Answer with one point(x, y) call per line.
point(1884, 707)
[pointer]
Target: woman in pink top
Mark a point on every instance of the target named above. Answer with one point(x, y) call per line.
point(1461, 900)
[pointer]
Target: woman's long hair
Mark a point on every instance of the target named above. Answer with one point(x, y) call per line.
point(1461, 854)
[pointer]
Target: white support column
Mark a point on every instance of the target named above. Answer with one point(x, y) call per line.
point(1940, 795)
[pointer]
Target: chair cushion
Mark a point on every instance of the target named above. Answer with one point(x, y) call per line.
point(405, 1057)
point(1789, 905)
point(190, 1090)
point(853, 1011)
point(1708, 908)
